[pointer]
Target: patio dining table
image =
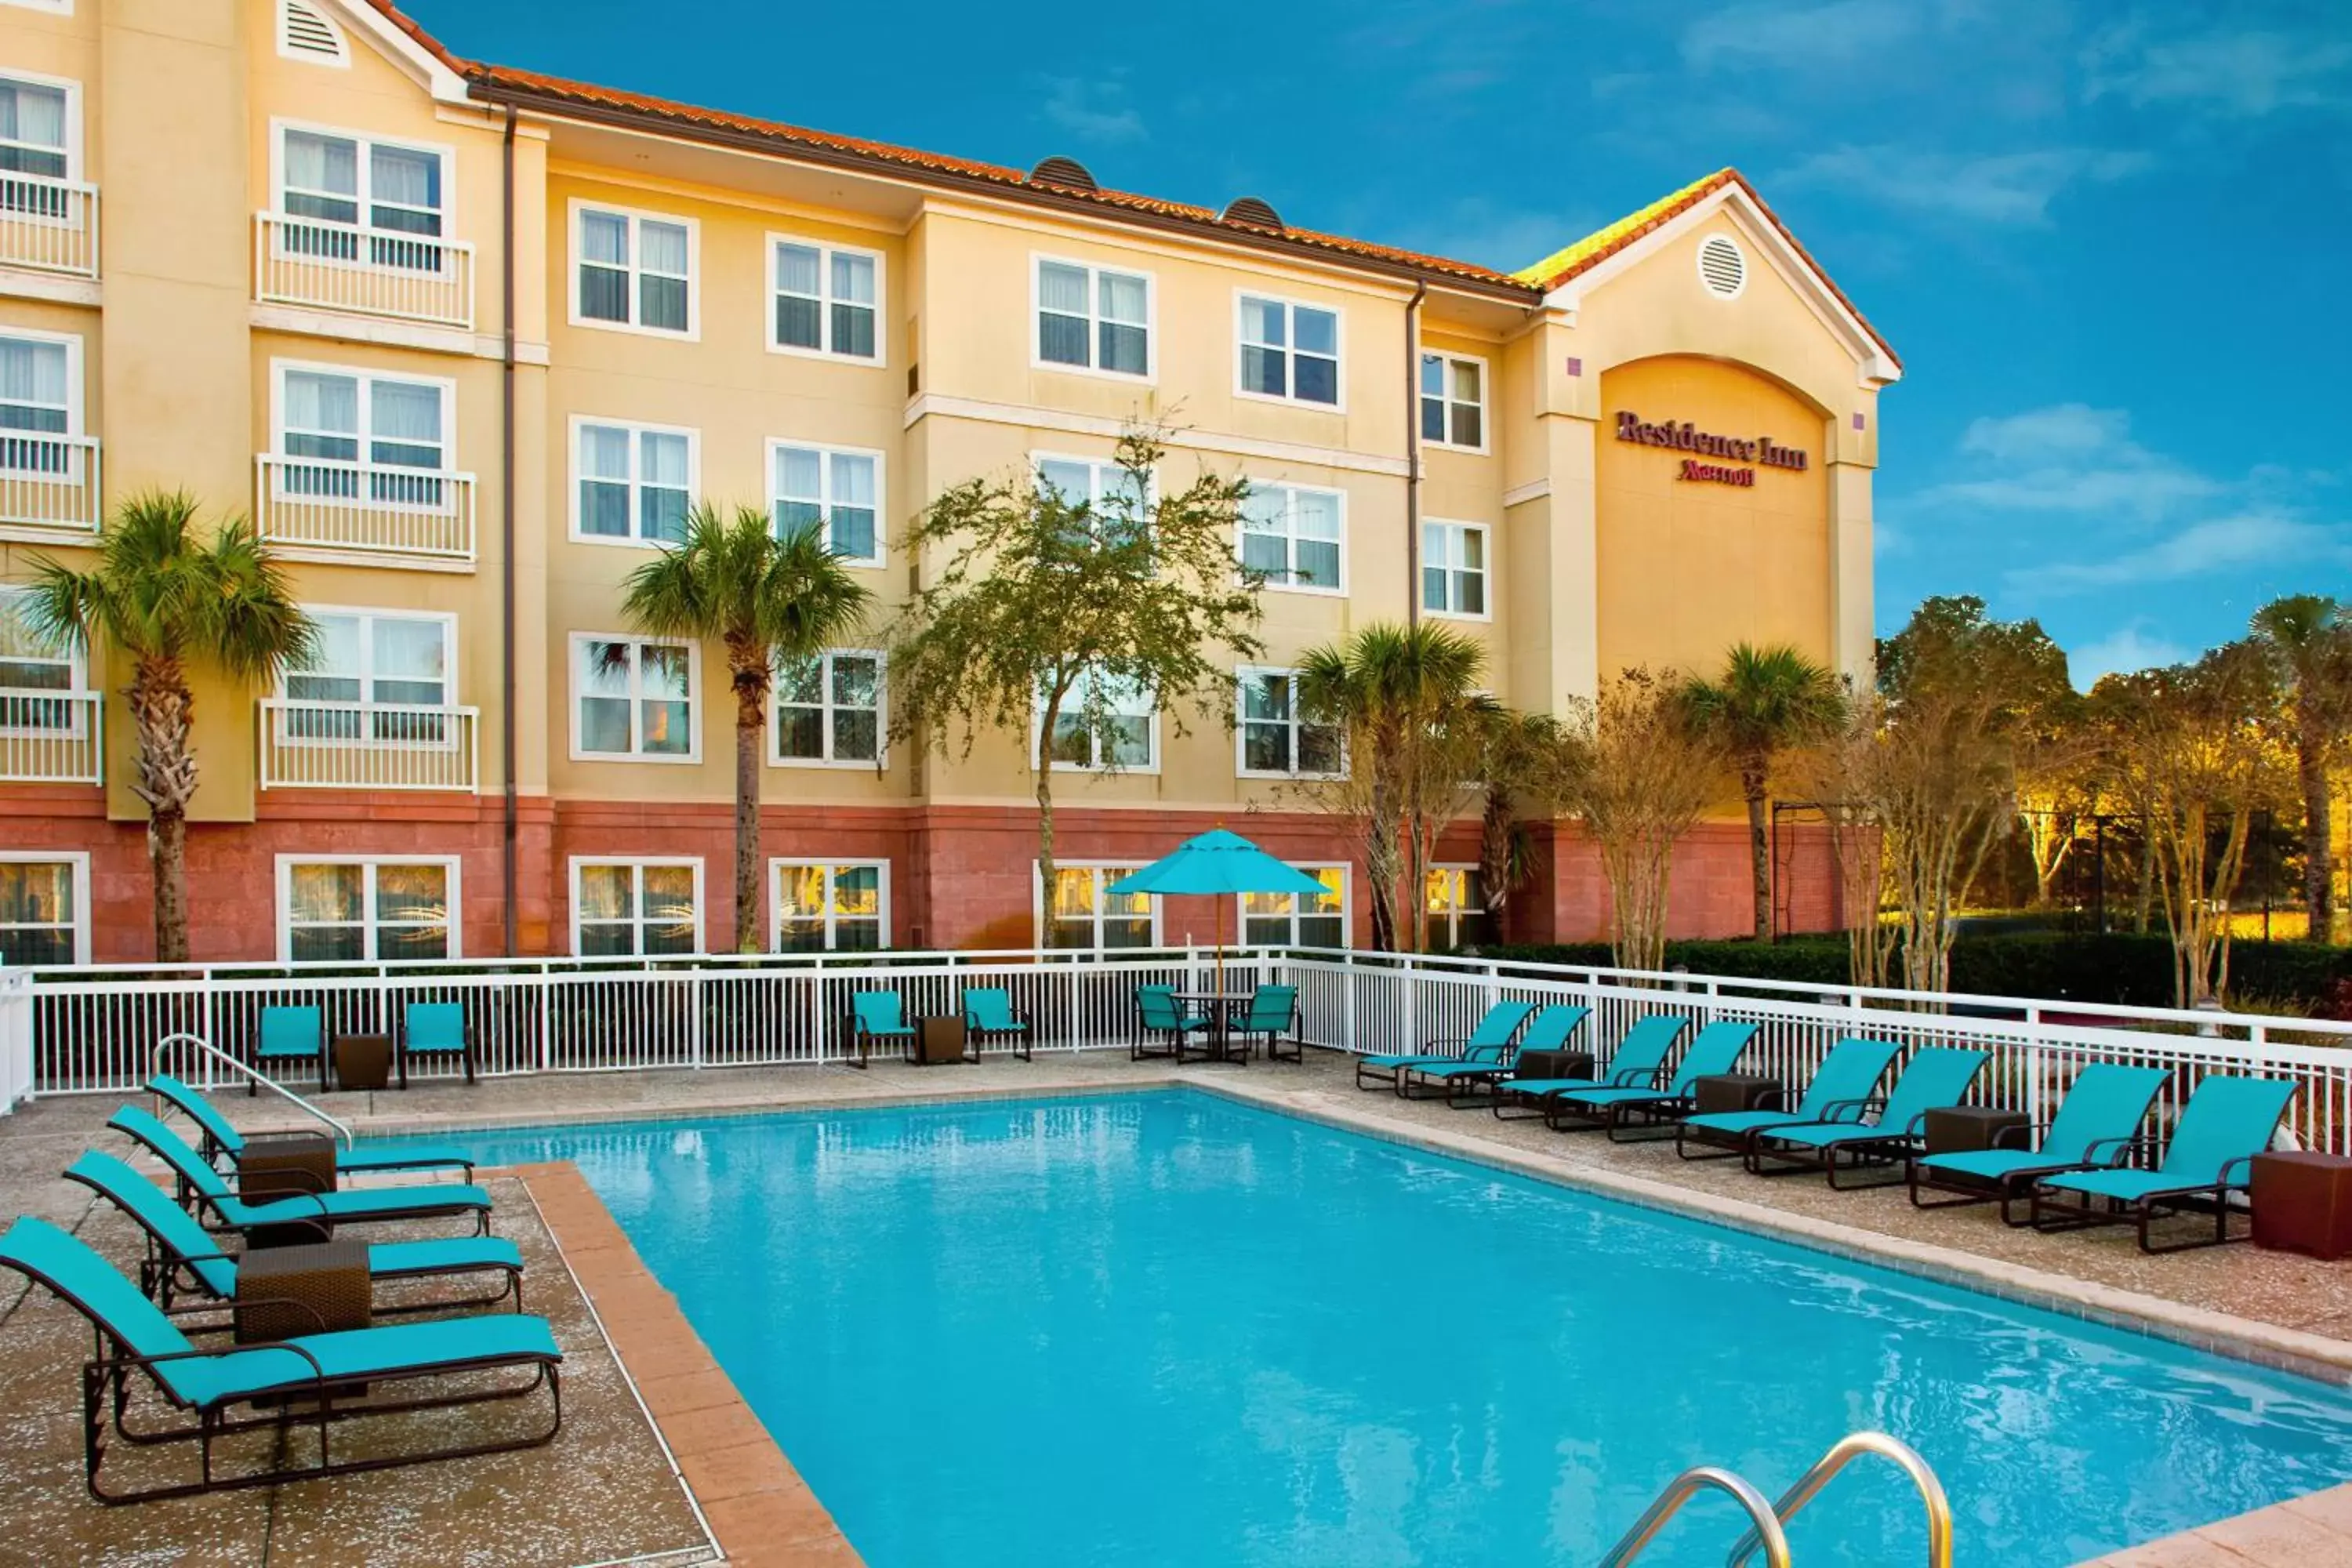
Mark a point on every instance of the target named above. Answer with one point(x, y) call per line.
point(1220, 1005)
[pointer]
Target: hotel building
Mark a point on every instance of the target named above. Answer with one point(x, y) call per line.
point(465, 340)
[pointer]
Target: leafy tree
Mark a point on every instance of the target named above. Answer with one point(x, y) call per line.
point(169, 603)
point(1767, 700)
point(2309, 637)
point(1047, 608)
point(2060, 781)
point(768, 600)
point(1515, 750)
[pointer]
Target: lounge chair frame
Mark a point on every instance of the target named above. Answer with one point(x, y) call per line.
point(1889, 1148)
point(1688, 1137)
point(2006, 1189)
point(2087, 1211)
point(211, 1151)
point(1370, 1077)
point(200, 1203)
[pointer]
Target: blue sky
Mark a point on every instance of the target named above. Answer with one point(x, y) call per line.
point(2112, 243)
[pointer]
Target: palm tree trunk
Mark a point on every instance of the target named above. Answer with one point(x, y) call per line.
point(751, 722)
point(2318, 836)
point(162, 709)
point(1752, 775)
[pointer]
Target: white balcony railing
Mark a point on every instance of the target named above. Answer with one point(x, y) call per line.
point(361, 508)
point(49, 481)
point(48, 226)
point(367, 745)
point(50, 737)
point(362, 271)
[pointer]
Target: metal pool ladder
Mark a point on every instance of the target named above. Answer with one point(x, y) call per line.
point(1766, 1521)
point(212, 1055)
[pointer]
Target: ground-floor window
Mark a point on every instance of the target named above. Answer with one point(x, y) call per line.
point(1082, 914)
point(1456, 902)
point(339, 909)
point(626, 908)
point(1299, 919)
point(840, 906)
point(44, 908)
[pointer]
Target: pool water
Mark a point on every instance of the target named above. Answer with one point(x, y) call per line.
point(1164, 1328)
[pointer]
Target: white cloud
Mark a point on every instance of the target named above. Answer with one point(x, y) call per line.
point(2242, 74)
point(1475, 228)
point(2006, 189)
point(1808, 37)
point(2215, 547)
point(1092, 111)
point(2127, 649)
point(2069, 457)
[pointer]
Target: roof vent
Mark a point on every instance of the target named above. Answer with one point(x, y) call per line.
point(1721, 266)
point(1067, 172)
point(1251, 211)
point(305, 33)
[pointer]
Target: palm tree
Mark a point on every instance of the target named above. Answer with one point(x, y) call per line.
point(767, 598)
point(1768, 701)
point(2310, 638)
point(170, 602)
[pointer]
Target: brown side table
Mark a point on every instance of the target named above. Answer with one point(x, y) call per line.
point(938, 1041)
point(2302, 1202)
point(362, 1061)
point(1953, 1129)
point(1725, 1093)
point(284, 1165)
point(1552, 1065)
point(321, 1288)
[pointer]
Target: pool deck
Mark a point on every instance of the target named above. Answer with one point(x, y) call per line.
point(644, 1404)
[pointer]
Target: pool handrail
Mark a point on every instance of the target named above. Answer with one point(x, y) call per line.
point(211, 1053)
point(1844, 1452)
point(1764, 1528)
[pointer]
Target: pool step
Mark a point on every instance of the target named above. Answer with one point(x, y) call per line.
point(1767, 1520)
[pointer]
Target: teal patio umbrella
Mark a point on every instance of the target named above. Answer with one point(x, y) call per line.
point(1217, 864)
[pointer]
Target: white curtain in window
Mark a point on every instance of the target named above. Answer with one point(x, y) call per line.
point(322, 164)
point(32, 371)
point(338, 646)
point(604, 238)
point(853, 279)
point(853, 481)
point(406, 412)
point(1062, 289)
point(1122, 299)
point(315, 402)
point(34, 115)
point(1317, 515)
point(661, 248)
point(665, 461)
point(799, 474)
point(604, 452)
point(410, 650)
point(796, 268)
point(405, 178)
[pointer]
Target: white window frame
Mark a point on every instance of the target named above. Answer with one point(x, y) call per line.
point(1486, 400)
point(73, 147)
point(635, 428)
point(1242, 917)
point(1241, 769)
point(779, 865)
point(1038, 260)
point(1456, 918)
point(1485, 572)
point(363, 201)
point(637, 864)
point(77, 663)
point(452, 864)
point(367, 381)
point(881, 758)
point(1094, 742)
point(826, 249)
point(827, 451)
point(1042, 913)
point(72, 343)
point(1286, 583)
point(78, 859)
point(575, 650)
point(367, 615)
point(576, 251)
point(1291, 306)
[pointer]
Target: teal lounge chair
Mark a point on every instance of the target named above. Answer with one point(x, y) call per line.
point(1480, 1068)
point(224, 1142)
point(434, 1029)
point(305, 1377)
point(1934, 1078)
point(1714, 1050)
point(1639, 1056)
point(988, 1015)
point(1157, 1012)
point(1848, 1077)
point(1497, 1030)
point(181, 1259)
point(879, 1016)
point(290, 1034)
point(204, 1192)
point(1272, 1015)
point(2099, 1119)
point(2227, 1122)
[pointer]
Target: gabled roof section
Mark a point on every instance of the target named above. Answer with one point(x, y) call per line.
point(397, 35)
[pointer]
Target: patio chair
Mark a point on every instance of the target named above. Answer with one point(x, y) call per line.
point(307, 1376)
point(2101, 1114)
point(1483, 1068)
point(1934, 1078)
point(1157, 1012)
point(223, 1142)
point(877, 1017)
point(290, 1034)
point(1848, 1076)
point(988, 1015)
point(1715, 1049)
point(1273, 1013)
point(183, 1259)
point(203, 1191)
point(1640, 1053)
point(434, 1029)
point(1498, 1029)
point(2227, 1122)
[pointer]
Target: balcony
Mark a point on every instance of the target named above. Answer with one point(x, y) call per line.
point(50, 736)
point(49, 485)
point(367, 745)
point(48, 226)
point(361, 271)
point(320, 507)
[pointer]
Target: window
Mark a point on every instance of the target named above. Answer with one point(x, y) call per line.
point(839, 487)
point(29, 669)
point(1275, 742)
point(1109, 492)
point(1299, 919)
point(1091, 318)
point(40, 123)
point(1128, 737)
point(1455, 898)
point(44, 908)
point(377, 204)
point(1083, 915)
point(635, 482)
point(1454, 569)
point(40, 401)
point(827, 299)
point(1290, 351)
point(835, 908)
point(635, 270)
point(634, 909)
point(1296, 538)
point(635, 698)
point(829, 709)
point(370, 439)
point(353, 910)
point(1452, 401)
point(376, 677)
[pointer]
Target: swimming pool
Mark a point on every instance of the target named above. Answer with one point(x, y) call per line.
point(1164, 1328)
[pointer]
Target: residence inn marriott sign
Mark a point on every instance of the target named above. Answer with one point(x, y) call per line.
point(1687, 438)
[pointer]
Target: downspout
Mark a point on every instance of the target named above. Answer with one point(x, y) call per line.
point(507, 532)
point(1412, 453)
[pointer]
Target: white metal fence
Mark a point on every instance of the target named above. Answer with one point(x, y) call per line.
point(50, 736)
point(49, 226)
point(49, 482)
point(16, 1039)
point(359, 508)
point(364, 271)
point(367, 745)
